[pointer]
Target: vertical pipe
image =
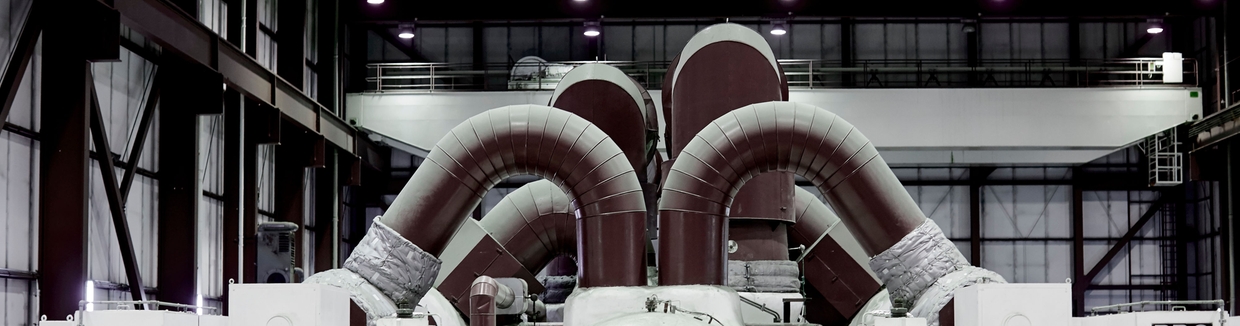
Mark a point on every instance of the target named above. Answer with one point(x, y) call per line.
point(63, 174)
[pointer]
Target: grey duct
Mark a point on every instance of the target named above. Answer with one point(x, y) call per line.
point(911, 252)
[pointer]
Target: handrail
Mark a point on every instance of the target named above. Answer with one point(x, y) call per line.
point(1117, 307)
point(801, 74)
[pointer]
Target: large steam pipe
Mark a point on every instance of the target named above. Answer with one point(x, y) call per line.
point(833, 261)
point(910, 252)
point(485, 296)
point(542, 141)
point(535, 223)
point(777, 136)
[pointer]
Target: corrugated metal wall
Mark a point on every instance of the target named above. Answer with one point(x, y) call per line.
point(872, 39)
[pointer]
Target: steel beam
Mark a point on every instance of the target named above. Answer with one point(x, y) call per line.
point(252, 113)
point(63, 174)
point(1085, 282)
point(183, 35)
point(19, 59)
point(179, 190)
point(116, 204)
point(144, 127)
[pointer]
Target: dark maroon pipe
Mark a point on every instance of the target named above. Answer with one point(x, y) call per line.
point(842, 280)
point(704, 83)
point(775, 136)
point(536, 140)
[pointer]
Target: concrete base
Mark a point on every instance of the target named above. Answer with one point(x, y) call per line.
point(599, 306)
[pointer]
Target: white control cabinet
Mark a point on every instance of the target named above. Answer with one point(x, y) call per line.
point(296, 304)
point(1014, 305)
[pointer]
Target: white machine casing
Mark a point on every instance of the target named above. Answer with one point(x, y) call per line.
point(910, 321)
point(1014, 304)
point(1148, 318)
point(297, 304)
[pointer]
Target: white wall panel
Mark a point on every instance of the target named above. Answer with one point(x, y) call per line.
point(928, 126)
point(18, 204)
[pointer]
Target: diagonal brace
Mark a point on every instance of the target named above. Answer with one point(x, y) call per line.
point(108, 171)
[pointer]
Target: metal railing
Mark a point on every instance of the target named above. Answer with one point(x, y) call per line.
point(801, 74)
point(1175, 305)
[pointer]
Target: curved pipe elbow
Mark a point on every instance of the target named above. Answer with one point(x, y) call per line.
point(535, 223)
point(778, 136)
point(485, 297)
point(536, 140)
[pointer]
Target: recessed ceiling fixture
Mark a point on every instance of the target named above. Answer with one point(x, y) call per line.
point(779, 27)
point(374, 1)
point(404, 31)
point(1155, 26)
point(592, 29)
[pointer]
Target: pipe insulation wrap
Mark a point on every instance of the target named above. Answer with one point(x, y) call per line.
point(384, 269)
point(775, 136)
point(942, 291)
point(372, 301)
point(535, 140)
point(767, 276)
point(912, 266)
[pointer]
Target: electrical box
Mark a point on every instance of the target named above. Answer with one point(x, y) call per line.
point(298, 304)
point(1014, 305)
point(275, 246)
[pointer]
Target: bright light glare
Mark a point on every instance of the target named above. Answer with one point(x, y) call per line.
point(1154, 30)
point(406, 35)
point(90, 295)
point(778, 31)
point(199, 304)
point(374, 1)
point(591, 33)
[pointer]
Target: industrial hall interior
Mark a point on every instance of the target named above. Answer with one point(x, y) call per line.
point(619, 162)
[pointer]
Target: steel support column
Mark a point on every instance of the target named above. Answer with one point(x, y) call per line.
point(298, 150)
point(235, 174)
point(977, 176)
point(179, 192)
point(327, 214)
point(1078, 247)
point(63, 173)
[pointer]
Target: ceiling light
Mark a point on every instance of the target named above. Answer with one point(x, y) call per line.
point(1155, 26)
point(405, 34)
point(779, 28)
point(374, 1)
point(592, 29)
